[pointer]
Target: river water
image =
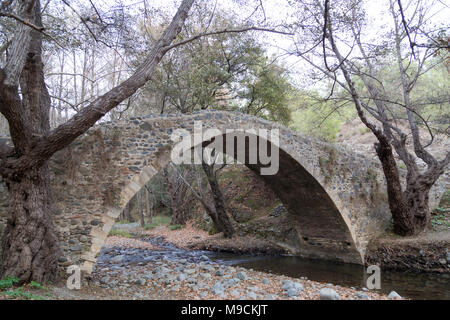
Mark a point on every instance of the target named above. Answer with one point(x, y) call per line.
point(411, 285)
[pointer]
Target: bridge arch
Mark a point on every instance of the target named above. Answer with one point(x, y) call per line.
point(322, 225)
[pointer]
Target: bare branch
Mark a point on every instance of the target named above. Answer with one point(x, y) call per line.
point(205, 34)
point(405, 26)
point(23, 21)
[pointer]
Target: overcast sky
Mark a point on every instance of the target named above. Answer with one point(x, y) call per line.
point(278, 11)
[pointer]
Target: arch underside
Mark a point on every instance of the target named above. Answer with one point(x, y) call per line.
point(322, 232)
point(122, 167)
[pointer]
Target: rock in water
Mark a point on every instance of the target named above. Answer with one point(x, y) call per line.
point(394, 295)
point(328, 294)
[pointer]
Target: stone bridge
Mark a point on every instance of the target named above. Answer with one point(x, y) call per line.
point(336, 198)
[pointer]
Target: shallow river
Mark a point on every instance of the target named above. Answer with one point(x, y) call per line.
point(411, 285)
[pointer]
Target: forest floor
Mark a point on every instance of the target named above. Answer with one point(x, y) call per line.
point(193, 238)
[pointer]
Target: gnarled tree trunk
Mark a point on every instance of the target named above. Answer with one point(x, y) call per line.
point(30, 244)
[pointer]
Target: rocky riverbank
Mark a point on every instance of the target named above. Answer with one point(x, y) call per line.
point(130, 271)
point(428, 252)
point(151, 268)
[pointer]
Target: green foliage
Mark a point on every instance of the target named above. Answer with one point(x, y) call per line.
point(123, 221)
point(401, 165)
point(8, 282)
point(176, 226)
point(228, 71)
point(20, 293)
point(120, 233)
point(371, 175)
point(440, 220)
point(364, 130)
point(315, 117)
point(445, 200)
point(213, 230)
point(267, 92)
point(160, 220)
point(36, 285)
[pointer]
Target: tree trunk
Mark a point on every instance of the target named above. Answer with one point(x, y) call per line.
point(140, 208)
point(177, 213)
point(409, 208)
point(149, 209)
point(127, 213)
point(30, 244)
point(222, 220)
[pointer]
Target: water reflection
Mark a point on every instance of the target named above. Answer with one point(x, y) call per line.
point(411, 285)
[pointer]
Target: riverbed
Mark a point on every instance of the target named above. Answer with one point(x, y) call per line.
point(210, 268)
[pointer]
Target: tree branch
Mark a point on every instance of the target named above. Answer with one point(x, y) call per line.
point(66, 133)
point(205, 34)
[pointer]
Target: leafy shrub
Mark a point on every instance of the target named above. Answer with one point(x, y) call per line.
point(176, 227)
point(21, 294)
point(120, 233)
point(8, 282)
point(158, 221)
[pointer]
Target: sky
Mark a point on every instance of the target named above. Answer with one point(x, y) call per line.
point(278, 11)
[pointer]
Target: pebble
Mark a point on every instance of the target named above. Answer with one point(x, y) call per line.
point(251, 295)
point(219, 273)
point(292, 292)
point(328, 294)
point(241, 275)
point(190, 271)
point(362, 295)
point(393, 295)
point(189, 280)
point(235, 293)
point(117, 259)
point(105, 280)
